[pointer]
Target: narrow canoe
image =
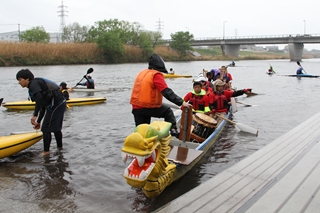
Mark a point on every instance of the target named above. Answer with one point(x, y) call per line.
point(176, 76)
point(304, 76)
point(22, 105)
point(12, 144)
point(85, 90)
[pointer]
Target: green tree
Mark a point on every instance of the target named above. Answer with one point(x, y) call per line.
point(124, 30)
point(74, 33)
point(35, 34)
point(111, 45)
point(181, 41)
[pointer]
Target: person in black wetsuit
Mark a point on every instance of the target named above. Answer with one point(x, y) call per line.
point(49, 107)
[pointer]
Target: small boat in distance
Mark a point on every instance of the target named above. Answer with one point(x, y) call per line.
point(29, 105)
point(176, 76)
point(304, 76)
point(74, 89)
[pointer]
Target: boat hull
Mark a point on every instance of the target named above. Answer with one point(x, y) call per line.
point(176, 76)
point(304, 76)
point(29, 105)
point(204, 147)
point(12, 144)
point(86, 90)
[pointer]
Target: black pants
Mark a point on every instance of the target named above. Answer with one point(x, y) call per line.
point(143, 116)
point(52, 122)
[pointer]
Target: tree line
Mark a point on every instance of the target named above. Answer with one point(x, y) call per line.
point(112, 35)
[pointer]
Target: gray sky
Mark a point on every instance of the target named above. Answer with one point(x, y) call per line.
point(202, 18)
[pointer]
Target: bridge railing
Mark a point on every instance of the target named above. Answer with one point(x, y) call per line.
point(259, 36)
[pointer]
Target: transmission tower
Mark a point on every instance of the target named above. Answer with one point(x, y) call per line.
point(62, 13)
point(159, 25)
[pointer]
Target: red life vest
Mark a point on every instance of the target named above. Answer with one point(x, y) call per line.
point(220, 102)
point(197, 102)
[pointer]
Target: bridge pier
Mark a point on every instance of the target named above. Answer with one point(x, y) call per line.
point(230, 49)
point(295, 51)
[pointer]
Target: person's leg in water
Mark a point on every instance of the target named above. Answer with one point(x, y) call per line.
point(46, 143)
point(58, 136)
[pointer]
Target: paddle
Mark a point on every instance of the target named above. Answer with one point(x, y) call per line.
point(1, 99)
point(298, 62)
point(271, 68)
point(245, 104)
point(251, 94)
point(241, 126)
point(90, 70)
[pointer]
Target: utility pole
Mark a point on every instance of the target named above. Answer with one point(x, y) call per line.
point(159, 26)
point(62, 13)
point(19, 32)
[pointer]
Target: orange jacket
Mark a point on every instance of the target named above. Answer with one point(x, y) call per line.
point(144, 92)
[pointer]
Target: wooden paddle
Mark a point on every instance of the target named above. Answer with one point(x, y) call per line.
point(88, 72)
point(245, 104)
point(251, 94)
point(241, 126)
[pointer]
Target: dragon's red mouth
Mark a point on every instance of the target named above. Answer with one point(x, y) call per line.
point(141, 166)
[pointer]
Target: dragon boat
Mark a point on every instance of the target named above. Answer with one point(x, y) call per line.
point(158, 159)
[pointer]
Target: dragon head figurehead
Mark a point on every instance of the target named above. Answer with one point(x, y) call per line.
point(148, 146)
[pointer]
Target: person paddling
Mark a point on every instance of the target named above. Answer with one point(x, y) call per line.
point(90, 82)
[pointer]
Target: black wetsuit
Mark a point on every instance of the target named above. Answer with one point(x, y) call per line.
point(50, 105)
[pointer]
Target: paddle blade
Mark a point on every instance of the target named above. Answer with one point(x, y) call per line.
point(1, 99)
point(90, 70)
point(246, 128)
point(298, 62)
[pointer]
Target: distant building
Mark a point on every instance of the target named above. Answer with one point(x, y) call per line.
point(14, 37)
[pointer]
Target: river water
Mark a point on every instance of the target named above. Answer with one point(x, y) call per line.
point(87, 175)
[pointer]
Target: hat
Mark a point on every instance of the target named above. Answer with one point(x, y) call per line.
point(218, 82)
point(201, 78)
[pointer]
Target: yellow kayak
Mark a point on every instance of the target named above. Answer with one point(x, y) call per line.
point(176, 76)
point(12, 144)
point(71, 102)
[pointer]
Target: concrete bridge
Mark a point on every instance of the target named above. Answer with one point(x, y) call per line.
point(231, 45)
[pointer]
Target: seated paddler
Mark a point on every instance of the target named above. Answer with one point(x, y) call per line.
point(198, 98)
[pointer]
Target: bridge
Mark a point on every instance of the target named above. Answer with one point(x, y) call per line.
point(231, 45)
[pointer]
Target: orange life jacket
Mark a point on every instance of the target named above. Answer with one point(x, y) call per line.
point(144, 93)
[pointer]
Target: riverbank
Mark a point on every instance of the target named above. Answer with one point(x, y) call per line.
point(22, 54)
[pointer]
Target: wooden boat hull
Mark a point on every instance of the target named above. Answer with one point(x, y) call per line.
point(182, 169)
point(86, 90)
point(29, 105)
point(304, 76)
point(12, 144)
point(176, 76)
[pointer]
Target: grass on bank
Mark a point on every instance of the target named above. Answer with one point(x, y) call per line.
point(21, 54)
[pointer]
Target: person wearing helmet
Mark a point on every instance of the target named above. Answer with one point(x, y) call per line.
point(147, 93)
point(64, 90)
point(171, 71)
point(89, 83)
point(220, 100)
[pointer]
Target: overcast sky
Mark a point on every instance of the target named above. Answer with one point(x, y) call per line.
point(202, 18)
